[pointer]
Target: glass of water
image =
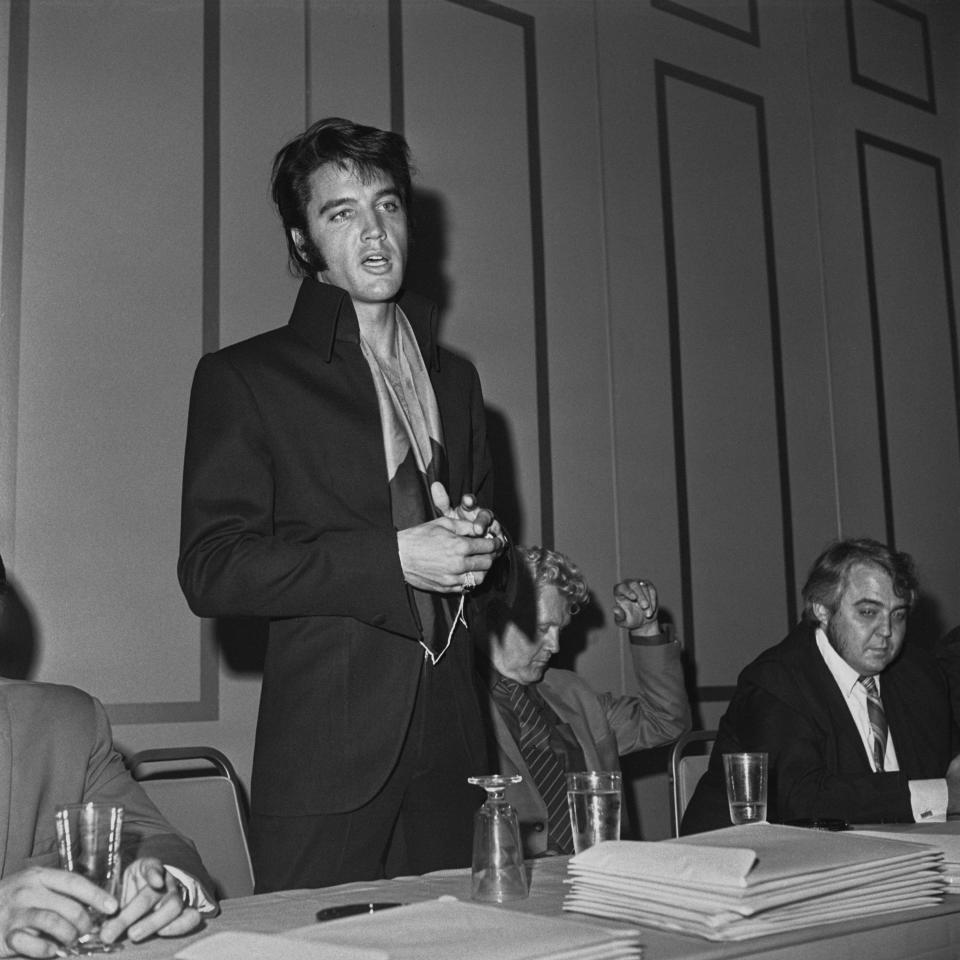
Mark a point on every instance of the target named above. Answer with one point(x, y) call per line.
point(88, 842)
point(745, 775)
point(593, 799)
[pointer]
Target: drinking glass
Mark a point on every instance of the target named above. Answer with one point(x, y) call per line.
point(746, 778)
point(593, 799)
point(498, 869)
point(88, 841)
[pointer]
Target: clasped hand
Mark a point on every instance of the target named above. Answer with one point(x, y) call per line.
point(41, 907)
point(635, 606)
point(439, 555)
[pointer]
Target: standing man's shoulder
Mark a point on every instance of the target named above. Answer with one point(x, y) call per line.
point(261, 348)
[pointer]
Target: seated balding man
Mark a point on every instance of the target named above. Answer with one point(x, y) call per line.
point(548, 722)
point(857, 723)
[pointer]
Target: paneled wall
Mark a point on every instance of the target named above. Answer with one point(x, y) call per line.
point(701, 251)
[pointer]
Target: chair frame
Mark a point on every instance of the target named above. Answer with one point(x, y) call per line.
point(676, 755)
point(210, 755)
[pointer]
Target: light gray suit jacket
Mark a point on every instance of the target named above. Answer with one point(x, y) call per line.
point(606, 726)
point(56, 748)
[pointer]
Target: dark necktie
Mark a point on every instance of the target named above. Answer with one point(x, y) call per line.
point(544, 766)
point(878, 721)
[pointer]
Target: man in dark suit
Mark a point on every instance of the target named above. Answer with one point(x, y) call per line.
point(56, 748)
point(857, 724)
point(333, 478)
point(548, 722)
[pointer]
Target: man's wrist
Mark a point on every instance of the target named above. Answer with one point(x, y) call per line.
point(656, 638)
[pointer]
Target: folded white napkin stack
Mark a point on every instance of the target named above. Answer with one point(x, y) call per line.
point(752, 880)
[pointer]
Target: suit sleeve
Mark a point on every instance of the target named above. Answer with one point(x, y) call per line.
point(145, 831)
point(659, 711)
point(232, 560)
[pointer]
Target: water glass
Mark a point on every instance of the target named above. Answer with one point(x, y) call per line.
point(746, 777)
point(88, 842)
point(593, 799)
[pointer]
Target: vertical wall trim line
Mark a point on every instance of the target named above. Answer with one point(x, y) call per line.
point(676, 365)
point(625, 661)
point(211, 175)
point(539, 286)
point(395, 32)
point(773, 294)
point(307, 64)
point(209, 661)
point(11, 264)
point(882, 439)
point(824, 311)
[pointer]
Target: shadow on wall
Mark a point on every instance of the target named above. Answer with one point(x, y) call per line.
point(926, 622)
point(18, 649)
point(242, 642)
point(426, 274)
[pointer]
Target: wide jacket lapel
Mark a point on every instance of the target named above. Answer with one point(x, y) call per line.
point(821, 689)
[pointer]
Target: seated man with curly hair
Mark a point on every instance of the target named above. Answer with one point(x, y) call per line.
point(547, 722)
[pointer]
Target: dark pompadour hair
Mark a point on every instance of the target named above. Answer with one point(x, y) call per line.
point(368, 151)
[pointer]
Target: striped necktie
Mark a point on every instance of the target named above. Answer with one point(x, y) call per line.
point(878, 721)
point(544, 766)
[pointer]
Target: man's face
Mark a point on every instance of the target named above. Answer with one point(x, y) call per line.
point(524, 658)
point(869, 624)
point(360, 232)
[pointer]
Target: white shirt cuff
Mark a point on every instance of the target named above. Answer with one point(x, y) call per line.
point(197, 896)
point(928, 798)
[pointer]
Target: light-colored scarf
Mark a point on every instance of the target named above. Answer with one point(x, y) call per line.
point(413, 445)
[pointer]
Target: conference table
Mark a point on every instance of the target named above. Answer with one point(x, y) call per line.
point(926, 934)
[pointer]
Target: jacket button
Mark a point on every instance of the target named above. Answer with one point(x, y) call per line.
point(539, 827)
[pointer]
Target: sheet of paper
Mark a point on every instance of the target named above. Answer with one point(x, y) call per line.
point(233, 945)
point(449, 929)
point(926, 833)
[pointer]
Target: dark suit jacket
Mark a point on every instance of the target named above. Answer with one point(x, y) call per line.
point(606, 727)
point(788, 704)
point(286, 516)
point(56, 748)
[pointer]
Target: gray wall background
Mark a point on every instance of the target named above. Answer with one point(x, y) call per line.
point(703, 253)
